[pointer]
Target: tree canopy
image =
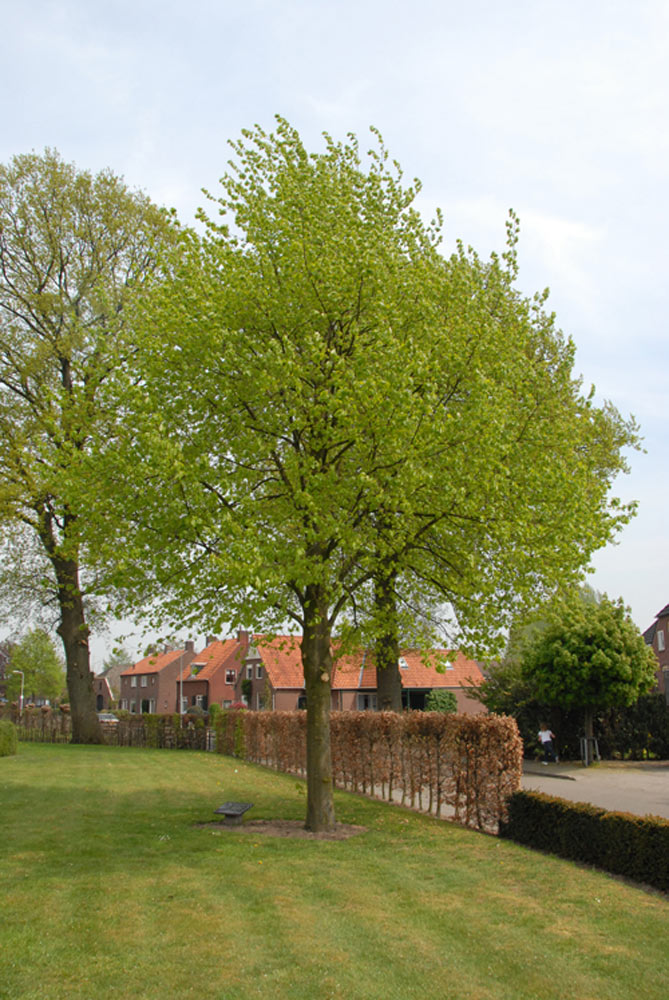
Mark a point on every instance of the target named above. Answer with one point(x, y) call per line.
point(589, 655)
point(74, 250)
point(320, 399)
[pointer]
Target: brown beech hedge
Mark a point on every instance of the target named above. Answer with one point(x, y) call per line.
point(462, 766)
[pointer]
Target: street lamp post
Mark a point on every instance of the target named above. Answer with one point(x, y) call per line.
point(21, 695)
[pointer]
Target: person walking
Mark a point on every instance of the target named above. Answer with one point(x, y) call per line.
point(546, 738)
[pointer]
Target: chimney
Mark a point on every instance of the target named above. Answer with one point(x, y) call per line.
point(189, 646)
point(210, 639)
point(243, 637)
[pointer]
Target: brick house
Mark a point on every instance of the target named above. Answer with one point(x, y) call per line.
point(151, 684)
point(104, 697)
point(275, 670)
point(657, 636)
point(212, 676)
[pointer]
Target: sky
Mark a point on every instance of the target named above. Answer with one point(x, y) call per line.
point(559, 110)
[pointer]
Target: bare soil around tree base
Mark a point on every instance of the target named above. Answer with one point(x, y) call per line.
point(286, 828)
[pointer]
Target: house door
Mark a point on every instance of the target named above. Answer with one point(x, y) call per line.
point(99, 703)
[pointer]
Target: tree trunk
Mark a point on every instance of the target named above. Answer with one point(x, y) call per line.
point(73, 630)
point(72, 627)
point(317, 664)
point(386, 647)
point(589, 737)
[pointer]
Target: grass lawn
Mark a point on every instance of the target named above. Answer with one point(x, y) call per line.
point(110, 890)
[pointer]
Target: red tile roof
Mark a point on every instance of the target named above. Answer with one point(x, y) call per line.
point(155, 663)
point(282, 660)
point(220, 653)
point(356, 671)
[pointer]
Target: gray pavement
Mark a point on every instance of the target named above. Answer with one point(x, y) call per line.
point(638, 787)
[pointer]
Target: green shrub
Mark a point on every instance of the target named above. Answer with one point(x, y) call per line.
point(440, 700)
point(9, 740)
point(634, 846)
point(152, 724)
point(239, 738)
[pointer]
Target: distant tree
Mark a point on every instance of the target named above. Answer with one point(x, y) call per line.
point(506, 690)
point(43, 669)
point(119, 657)
point(75, 249)
point(588, 655)
point(439, 700)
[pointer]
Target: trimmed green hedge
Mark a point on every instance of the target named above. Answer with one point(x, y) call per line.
point(621, 843)
point(9, 740)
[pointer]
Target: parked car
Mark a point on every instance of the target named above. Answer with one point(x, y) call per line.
point(108, 717)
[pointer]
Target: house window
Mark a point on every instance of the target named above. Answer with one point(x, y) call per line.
point(258, 672)
point(133, 682)
point(184, 704)
point(366, 702)
point(133, 706)
point(199, 700)
point(227, 704)
point(660, 640)
point(403, 665)
point(249, 673)
point(152, 706)
point(124, 704)
point(153, 680)
point(145, 681)
point(230, 676)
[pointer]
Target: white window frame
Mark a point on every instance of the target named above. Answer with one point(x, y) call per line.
point(660, 640)
point(249, 672)
point(230, 676)
point(133, 681)
point(144, 681)
point(259, 672)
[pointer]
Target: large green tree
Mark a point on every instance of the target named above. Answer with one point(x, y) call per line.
point(324, 403)
point(42, 668)
point(588, 655)
point(74, 249)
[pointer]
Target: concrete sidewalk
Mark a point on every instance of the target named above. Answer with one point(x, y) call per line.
point(638, 787)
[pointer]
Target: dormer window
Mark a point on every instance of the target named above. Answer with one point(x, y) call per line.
point(403, 663)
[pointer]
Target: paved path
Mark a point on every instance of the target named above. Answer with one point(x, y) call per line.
point(635, 786)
